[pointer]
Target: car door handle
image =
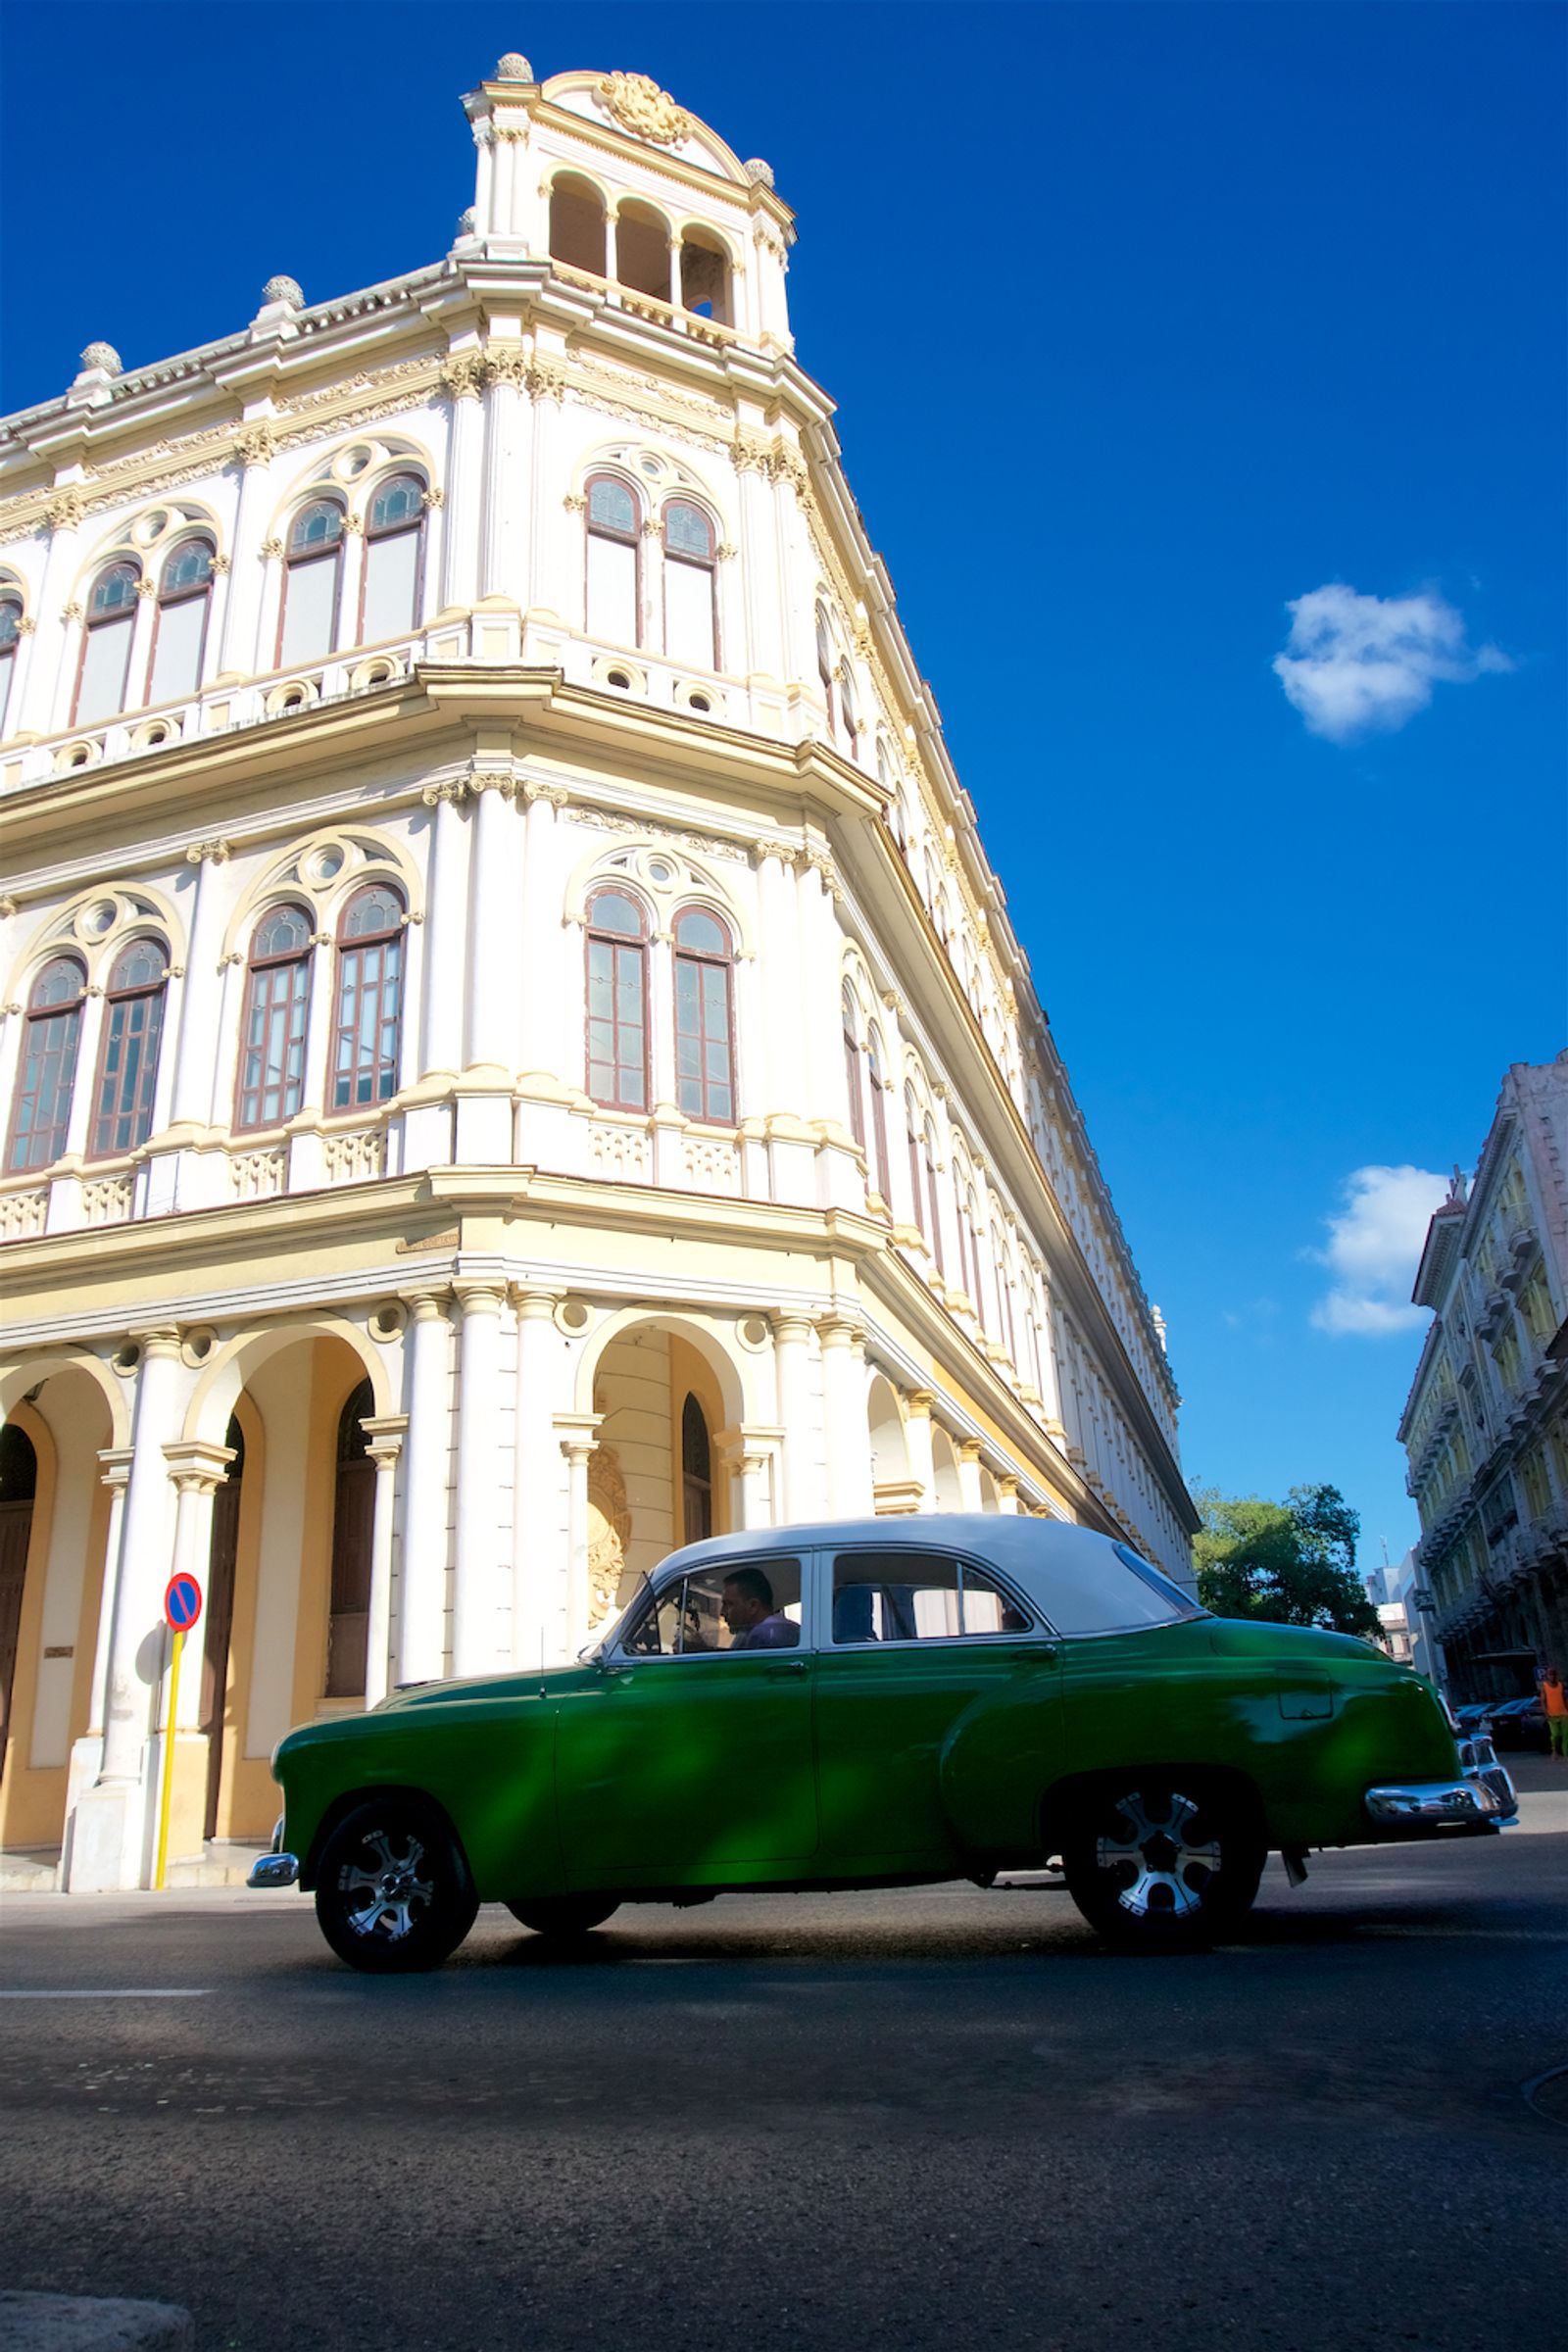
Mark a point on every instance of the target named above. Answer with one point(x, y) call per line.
point(1036, 1653)
point(789, 1666)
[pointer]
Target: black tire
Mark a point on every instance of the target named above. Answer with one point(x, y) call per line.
point(564, 1916)
point(1160, 1863)
point(393, 1893)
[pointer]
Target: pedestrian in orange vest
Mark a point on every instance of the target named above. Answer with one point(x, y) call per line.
point(1555, 1698)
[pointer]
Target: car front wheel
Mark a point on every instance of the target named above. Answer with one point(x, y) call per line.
point(393, 1892)
point(564, 1916)
point(1156, 1866)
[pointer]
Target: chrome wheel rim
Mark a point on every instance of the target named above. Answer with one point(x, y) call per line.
point(1160, 1868)
point(379, 1896)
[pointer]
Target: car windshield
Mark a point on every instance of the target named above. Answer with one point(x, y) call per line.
point(1108, 1588)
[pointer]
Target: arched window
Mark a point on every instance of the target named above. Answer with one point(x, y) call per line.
point(851, 1016)
point(394, 538)
point(826, 667)
point(690, 603)
point(704, 1051)
point(313, 563)
point(849, 702)
point(277, 997)
point(696, 1475)
point(366, 1025)
point(9, 638)
point(704, 277)
point(618, 1002)
point(128, 1058)
point(969, 1243)
point(179, 631)
point(106, 644)
point(1008, 1332)
point(881, 1166)
point(353, 1518)
point(46, 1076)
point(577, 225)
point(923, 1175)
point(614, 521)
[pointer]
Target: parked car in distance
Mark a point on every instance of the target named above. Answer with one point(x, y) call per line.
point(874, 1703)
point(1475, 1716)
point(1520, 1723)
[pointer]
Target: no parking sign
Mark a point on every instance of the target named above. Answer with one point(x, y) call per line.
point(182, 1602)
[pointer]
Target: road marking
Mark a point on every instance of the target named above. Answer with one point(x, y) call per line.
point(130, 1992)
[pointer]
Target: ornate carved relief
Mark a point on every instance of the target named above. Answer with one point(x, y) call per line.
point(608, 1533)
point(641, 107)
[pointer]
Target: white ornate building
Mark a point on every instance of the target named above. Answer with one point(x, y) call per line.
point(1485, 1426)
point(513, 1054)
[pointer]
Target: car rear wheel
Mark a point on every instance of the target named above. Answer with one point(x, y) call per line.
point(1155, 1865)
point(564, 1916)
point(393, 1892)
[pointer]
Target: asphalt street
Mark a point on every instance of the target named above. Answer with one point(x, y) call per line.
point(933, 2119)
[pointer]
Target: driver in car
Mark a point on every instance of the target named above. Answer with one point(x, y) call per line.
point(746, 1609)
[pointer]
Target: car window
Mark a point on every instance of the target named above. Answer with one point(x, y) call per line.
point(1103, 1588)
point(715, 1611)
point(918, 1597)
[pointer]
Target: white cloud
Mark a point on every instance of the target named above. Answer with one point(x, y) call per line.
point(1363, 665)
point(1374, 1247)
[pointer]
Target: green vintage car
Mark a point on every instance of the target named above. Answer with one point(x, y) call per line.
point(874, 1703)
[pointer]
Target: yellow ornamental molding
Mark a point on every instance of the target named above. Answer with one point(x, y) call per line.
point(255, 445)
point(461, 377)
point(65, 508)
point(641, 107)
point(545, 380)
point(753, 453)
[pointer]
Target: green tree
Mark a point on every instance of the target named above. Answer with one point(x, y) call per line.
point(1292, 1562)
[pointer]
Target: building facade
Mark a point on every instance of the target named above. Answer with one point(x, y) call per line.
point(513, 1055)
point(1486, 1422)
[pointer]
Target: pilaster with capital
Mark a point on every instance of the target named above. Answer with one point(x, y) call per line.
point(240, 650)
point(970, 1492)
point(446, 944)
point(145, 1549)
point(115, 1475)
point(481, 1592)
point(849, 1447)
point(426, 1396)
point(195, 1041)
point(44, 698)
point(196, 1470)
point(384, 1434)
point(537, 1474)
point(578, 1435)
point(791, 1362)
point(493, 974)
point(465, 481)
point(918, 1443)
point(503, 537)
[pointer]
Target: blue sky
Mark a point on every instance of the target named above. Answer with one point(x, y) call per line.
point(1145, 324)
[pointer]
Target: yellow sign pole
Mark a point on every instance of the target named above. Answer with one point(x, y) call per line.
point(168, 1756)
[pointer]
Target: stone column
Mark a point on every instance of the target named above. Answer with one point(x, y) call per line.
point(541, 1023)
point(918, 1438)
point(791, 1364)
point(969, 1493)
point(849, 1450)
point(578, 1435)
point(1007, 1496)
point(196, 1471)
point(240, 655)
point(195, 1055)
point(109, 1846)
point(536, 1490)
point(460, 378)
point(384, 1433)
point(476, 1643)
point(146, 1554)
point(421, 1615)
point(117, 1461)
point(441, 1021)
point(497, 884)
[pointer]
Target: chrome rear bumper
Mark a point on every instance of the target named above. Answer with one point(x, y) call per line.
point(1483, 1799)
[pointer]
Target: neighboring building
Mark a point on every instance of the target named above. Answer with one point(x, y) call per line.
point(1406, 1608)
point(513, 1054)
point(1486, 1422)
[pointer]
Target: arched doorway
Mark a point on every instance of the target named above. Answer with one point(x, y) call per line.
point(353, 1522)
point(222, 1555)
point(19, 1484)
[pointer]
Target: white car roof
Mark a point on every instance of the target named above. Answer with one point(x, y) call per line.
point(1023, 1547)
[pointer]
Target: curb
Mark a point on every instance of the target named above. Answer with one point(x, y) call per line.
point(91, 2324)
